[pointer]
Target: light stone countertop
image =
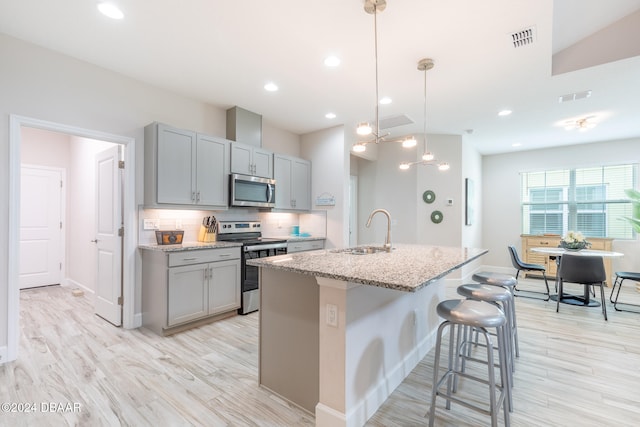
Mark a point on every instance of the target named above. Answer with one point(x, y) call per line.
point(407, 268)
point(190, 246)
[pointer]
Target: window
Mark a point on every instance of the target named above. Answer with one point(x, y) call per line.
point(590, 200)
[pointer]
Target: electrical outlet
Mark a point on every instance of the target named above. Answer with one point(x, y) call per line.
point(332, 315)
point(178, 224)
point(151, 224)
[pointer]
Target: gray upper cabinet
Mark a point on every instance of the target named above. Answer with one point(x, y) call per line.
point(293, 182)
point(185, 168)
point(251, 160)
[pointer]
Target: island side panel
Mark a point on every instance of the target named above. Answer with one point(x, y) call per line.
point(289, 343)
point(382, 335)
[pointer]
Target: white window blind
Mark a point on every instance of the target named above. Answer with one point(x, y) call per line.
point(590, 200)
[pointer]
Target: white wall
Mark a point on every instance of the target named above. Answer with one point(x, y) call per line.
point(330, 174)
point(501, 193)
point(280, 141)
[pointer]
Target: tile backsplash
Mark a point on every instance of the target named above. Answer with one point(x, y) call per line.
point(274, 224)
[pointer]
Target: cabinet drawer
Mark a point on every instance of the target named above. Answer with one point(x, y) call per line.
point(202, 255)
point(310, 245)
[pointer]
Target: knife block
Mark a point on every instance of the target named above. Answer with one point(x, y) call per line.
point(205, 236)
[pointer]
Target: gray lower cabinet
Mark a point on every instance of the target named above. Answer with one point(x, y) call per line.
point(304, 245)
point(186, 286)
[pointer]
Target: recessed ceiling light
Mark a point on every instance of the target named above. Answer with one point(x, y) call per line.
point(330, 116)
point(271, 87)
point(516, 144)
point(504, 113)
point(332, 61)
point(110, 10)
point(385, 100)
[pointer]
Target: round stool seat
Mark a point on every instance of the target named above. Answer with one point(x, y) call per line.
point(484, 292)
point(471, 313)
point(498, 279)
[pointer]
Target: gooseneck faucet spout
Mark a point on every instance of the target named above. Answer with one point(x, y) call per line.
point(387, 241)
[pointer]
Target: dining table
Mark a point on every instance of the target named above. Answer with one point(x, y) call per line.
point(585, 298)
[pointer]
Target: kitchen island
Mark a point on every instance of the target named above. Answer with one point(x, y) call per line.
point(341, 329)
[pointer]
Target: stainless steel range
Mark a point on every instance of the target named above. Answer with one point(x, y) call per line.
point(249, 233)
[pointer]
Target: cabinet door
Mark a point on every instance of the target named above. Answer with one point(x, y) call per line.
point(224, 286)
point(212, 171)
point(301, 184)
point(282, 168)
point(263, 163)
point(187, 293)
point(175, 158)
point(241, 161)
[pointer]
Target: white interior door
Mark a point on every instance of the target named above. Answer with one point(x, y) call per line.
point(108, 303)
point(41, 253)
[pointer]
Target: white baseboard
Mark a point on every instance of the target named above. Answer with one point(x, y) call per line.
point(368, 406)
point(137, 320)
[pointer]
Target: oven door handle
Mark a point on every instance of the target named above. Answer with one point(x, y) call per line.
point(254, 248)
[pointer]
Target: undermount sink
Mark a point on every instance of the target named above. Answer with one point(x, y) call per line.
point(362, 250)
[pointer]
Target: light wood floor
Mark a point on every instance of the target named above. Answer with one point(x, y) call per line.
point(575, 369)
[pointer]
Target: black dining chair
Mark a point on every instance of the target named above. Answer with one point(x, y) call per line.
point(519, 265)
point(584, 270)
point(621, 276)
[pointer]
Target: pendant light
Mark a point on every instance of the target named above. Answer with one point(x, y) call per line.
point(428, 158)
point(372, 7)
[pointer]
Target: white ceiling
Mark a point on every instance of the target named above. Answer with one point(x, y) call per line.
point(223, 52)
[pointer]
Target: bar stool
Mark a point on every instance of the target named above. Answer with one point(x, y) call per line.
point(482, 316)
point(508, 282)
point(503, 298)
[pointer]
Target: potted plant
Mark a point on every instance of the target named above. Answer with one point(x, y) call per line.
point(574, 241)
point(634, 219)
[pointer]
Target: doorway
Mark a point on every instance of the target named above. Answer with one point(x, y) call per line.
point(129, 319)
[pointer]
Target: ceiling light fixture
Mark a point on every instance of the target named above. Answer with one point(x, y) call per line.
point(110, 10)
point(372, 7)
point(582, 124)
point(503, 113)
point(428, 158)
point(330, 115)
point(271, 87)
point(332, 61)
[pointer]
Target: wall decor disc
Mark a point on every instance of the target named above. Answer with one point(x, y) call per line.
point(436, 217)
point(429, 196)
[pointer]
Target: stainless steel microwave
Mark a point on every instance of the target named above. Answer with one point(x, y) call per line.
point(253, 191)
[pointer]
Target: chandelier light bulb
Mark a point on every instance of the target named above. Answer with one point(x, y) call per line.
point(409, 142)
point(359, 148)
point(428, 156)
point(404, 166)
point(364, 129)
point(444, 166)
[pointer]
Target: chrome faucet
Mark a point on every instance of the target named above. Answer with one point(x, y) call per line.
point(387, 240)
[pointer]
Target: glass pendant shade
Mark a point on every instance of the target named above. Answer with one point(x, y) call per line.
point(428, 156)
point(409, 142)
point(364, 129)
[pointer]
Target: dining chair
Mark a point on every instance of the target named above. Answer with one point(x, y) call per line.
point(621, 276)
point(519, 265)
point(584, 270)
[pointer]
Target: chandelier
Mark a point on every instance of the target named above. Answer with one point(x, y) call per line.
point(428, 159)
point(365, 128)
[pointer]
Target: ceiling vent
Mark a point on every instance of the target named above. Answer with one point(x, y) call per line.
point(574, 96)
point(395, 121)
point(524, 37)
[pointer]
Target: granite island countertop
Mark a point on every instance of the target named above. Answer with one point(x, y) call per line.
point(189, 246)
point(406, 268)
